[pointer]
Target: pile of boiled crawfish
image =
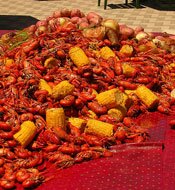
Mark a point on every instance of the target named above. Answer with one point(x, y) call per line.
point(21, 99)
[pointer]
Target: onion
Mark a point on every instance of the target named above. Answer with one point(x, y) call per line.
point(61, 21)
point(97, 32)
point(40, 30)
point(159, 40)
point(112, 36)
point(111, 23)
point(141, 35)
point(173, 93)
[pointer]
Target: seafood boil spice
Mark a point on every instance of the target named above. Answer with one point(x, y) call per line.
point(71, 86)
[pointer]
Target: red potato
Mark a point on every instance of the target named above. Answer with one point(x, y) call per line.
point(84, 19)
point(82, 15)
point(49, 18)
point(94, 19)
point(172, 37)
point(75, 13)
point(83, 25)
point(31, 28)
point(92, 15)
point(65, 12)
point(138, 29)
point(41, 23)
point(57, 14)
point(126, 32)
point(75, 19)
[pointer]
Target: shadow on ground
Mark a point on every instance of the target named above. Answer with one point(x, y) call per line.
point(168, 5)
point(14, 22)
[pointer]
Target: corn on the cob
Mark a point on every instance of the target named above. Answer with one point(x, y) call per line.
point(127, 50)
point(147, 96)
point(99, 128)
point(91, 114)
point(128, 70)
point(77, 122)
point(78, 56)
point(126, 102)
point(55, 117)
point(110, 98)
point(43, 85)
point(106, 52)
point(50, 62)
point(62, 89)
point(107, 98)
point(117, 113)
point(26, 134)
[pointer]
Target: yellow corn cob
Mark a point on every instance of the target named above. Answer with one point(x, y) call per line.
point(127, 50)
point(99, 128)
point(128, 70)
point(43, 85)
point(110, 98)
point(126, 102)
point(62, 89)
point(106, 52)
point(147, 96)
point(77, 122)
point(78, 56)
point(91, 114)
point(26, 134)
point(55, 117)
point(50, 62)
point(117, 113)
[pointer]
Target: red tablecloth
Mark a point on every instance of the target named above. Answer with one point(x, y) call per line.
point(4, 32)
point(145, 166)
